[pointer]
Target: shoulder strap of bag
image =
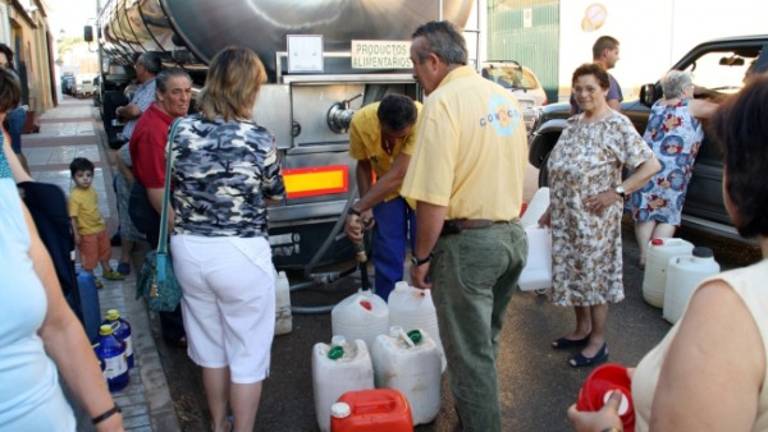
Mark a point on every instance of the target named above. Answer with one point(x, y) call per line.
point(162, 244)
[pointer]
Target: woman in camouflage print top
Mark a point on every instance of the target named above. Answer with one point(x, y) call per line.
point(225, 168)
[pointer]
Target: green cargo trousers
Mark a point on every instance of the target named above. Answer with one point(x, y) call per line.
point(474, 274)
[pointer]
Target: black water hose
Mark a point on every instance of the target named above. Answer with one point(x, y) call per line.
point(332, 236)
point(327, 277)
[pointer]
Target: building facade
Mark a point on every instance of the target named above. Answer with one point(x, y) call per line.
point(24, 28)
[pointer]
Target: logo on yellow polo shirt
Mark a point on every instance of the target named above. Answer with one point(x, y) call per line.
point(502, 115)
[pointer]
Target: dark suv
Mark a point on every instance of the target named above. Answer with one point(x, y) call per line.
point(718, 69)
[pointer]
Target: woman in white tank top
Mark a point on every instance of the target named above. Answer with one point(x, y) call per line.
point(708, 373)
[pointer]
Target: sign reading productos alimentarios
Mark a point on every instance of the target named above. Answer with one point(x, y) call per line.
point(379, 54)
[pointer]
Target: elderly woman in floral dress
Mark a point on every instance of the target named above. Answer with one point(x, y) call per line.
point(587, 194)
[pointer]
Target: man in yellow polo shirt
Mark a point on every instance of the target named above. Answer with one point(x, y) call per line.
point(466, 175)
point(381, 139)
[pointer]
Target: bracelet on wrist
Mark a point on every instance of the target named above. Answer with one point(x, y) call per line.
point(106, 414)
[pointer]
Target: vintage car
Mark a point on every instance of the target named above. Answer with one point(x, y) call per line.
point(718, 68)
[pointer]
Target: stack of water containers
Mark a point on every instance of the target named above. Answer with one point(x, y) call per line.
point(673, 270)
point(403, 339)
point(660, 252)
point(684, 274)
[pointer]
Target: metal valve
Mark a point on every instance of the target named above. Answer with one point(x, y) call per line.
point(340, 115)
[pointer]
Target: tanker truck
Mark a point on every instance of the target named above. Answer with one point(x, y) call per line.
point(325, 59)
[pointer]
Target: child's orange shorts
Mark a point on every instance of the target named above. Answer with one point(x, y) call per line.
point(94, 248)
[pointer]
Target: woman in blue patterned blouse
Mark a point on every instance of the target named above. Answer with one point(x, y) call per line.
point(674, 132)
point(225, 169)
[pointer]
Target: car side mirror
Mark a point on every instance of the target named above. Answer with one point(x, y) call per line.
point(88, 33)
point(648, 94)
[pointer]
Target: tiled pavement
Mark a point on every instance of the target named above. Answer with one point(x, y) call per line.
point(70, 130)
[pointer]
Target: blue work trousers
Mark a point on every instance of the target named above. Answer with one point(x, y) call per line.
point(395, 229)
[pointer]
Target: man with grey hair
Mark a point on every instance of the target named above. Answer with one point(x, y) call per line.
point(466, 175)
point(147, 66)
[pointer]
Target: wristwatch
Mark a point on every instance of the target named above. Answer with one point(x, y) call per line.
point(416, 261)
point(353, 211)
point(620, 191)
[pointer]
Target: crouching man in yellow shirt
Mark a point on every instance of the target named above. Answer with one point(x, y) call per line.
point(466, 174)
point(381, 139)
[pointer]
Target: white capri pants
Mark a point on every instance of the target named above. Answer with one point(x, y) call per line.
point(228, 302)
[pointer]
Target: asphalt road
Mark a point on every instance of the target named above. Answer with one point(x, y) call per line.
point(536, 384)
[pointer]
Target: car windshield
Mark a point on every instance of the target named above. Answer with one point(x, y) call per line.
point(721, 71)
point(510, 76)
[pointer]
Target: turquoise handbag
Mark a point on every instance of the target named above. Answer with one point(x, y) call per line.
point(157, 282)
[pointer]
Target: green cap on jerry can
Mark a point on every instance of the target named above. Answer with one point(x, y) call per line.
point(336, 352)
point(415, 336)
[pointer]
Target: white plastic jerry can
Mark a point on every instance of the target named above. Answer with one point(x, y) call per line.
point(658, 256)
point(684, 275)
point(537, 273)
point(536, 208)
point(410, 363)
point(283, 317)
point(338, 368)
point(412, 308)
point(363, 315)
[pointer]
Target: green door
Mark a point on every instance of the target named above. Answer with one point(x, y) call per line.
point(528, 32)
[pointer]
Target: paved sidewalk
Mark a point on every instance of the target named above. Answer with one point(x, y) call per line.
point(73, 129)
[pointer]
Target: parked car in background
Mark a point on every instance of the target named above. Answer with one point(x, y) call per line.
point(719, 68)
point(68, 83)
point(84, 85)
point(522, 82)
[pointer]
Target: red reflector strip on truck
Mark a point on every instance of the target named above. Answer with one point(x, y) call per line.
point(315, 181)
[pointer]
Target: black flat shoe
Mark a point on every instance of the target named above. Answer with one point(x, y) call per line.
point(564, 343)
point(580, 360)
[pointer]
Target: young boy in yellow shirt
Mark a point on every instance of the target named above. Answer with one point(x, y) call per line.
point(87, 223)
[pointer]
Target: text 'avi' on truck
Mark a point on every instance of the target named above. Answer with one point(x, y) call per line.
point(316, 83)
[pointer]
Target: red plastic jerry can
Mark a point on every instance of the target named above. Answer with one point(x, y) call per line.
point(374, 410)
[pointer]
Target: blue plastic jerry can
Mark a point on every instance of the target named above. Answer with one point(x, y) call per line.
point(111, 352)
point(88, 298)
point(122, 331)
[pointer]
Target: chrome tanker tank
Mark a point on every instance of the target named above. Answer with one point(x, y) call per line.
point(307, 112)
point(203, 27)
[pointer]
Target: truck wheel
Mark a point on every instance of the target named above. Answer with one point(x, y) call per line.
point(543, 173)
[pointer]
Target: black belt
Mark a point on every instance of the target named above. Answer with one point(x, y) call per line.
point(455, 226)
